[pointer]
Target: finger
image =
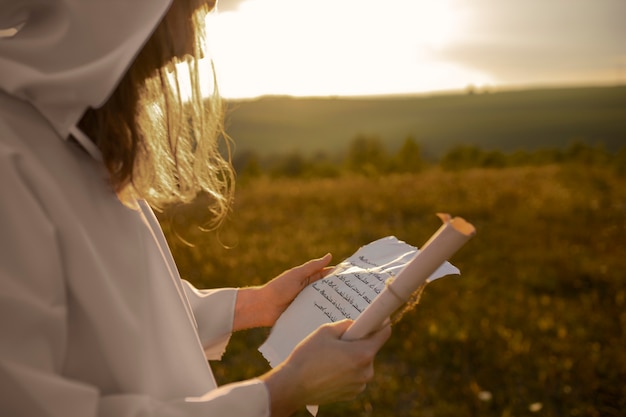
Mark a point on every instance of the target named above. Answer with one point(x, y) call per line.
point(368, 373)
point(379, 337)
point(338, 328)
point(361, 389)
point(316, 276)
point(326, 270)
point(315, 265)
point(313, 270)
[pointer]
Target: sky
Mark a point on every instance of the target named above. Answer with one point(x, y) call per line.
point(366, 47)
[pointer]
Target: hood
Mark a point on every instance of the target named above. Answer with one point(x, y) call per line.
point(64, 56)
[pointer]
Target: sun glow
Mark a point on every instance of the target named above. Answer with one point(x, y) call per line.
point(336, 47)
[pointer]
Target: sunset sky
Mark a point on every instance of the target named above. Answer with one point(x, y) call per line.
point(366, 47)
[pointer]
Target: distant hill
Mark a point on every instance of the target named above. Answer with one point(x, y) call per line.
point(505, 120)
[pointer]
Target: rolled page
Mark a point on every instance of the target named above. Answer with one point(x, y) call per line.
point(441, 246)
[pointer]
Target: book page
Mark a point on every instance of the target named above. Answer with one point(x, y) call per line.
point(343, 294)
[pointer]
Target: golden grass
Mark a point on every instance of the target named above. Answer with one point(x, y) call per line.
point(534, 325)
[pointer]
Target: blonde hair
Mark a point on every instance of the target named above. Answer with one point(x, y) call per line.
point(160, 142)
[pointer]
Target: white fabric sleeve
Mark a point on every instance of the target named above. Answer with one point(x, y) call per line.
point(214, 311)
point(242, 399)
point(34, 329)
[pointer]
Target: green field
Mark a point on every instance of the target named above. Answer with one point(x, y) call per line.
point(536, 324)
point(503, 120)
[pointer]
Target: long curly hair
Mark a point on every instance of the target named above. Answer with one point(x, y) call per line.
point(161, 138)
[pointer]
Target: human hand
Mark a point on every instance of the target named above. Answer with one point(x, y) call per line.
point(324, 369)
point(262, 305)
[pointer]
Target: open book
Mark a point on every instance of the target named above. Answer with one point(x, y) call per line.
point(367, 287)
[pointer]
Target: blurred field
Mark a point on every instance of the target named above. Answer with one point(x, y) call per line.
point(492, 120)
point(536, 325)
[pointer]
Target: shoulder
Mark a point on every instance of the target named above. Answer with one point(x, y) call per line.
point(33, 149)
point(23, 131)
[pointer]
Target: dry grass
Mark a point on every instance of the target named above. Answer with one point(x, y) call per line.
point(534, 325)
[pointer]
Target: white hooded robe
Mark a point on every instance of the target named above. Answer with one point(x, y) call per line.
point(94, 319)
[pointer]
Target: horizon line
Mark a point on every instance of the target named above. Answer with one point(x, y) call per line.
point(469, 89)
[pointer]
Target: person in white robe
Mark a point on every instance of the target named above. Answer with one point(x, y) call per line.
point(94, 318)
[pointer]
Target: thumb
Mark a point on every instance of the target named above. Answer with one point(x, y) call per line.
point(338, 328)
point(316, 264)
point(379, 337)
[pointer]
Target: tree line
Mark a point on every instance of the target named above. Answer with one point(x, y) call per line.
point(367, 155)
